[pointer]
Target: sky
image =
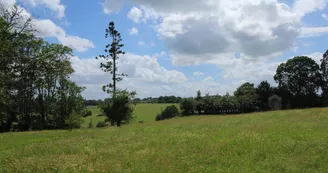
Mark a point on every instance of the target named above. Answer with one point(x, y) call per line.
point(177, 47)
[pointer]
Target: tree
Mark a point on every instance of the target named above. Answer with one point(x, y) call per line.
point(324, 71)
point(119, 110)
point(110, 66)
point(199, 102)
point(35, 89)
point(247, 97)
point(187, 106)
point(302, 78)
point(264, 91)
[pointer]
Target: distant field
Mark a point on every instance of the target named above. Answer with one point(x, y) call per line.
point(142, 112)
point(282, 141)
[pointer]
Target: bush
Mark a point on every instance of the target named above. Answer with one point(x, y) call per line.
point(159, 117)
point(101, 124)
point(86, 113)
point(74, 121)
point(119, 110)
point(168, 113)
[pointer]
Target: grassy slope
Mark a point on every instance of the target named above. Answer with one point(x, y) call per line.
point(142, 112)
point(284, 141)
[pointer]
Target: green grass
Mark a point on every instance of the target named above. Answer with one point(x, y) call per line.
point(142, 112)
point(283, 141)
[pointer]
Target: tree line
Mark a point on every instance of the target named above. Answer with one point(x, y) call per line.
point(35, 88)
point(302, 83)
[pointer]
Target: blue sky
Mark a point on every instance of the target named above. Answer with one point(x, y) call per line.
point(179, 47)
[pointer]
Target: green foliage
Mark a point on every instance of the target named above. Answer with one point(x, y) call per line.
point(199, 102)
point(264, 91)
point(247, 97)
point(35, 90)
point(187, 106)
point(101, 124)
point(113, 50)
point(86, 113)
point(74, 121)
point(301, 78)
point(300, 75)
point(119, 110)
point(168, 113)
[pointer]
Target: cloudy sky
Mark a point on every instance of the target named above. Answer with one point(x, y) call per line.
point(176, 47)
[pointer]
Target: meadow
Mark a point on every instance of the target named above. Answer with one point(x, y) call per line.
point(142, 112)
point(281, 141)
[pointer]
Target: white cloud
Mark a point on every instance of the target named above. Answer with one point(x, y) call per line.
point(212, 31)
point(145, 68)
point(54, 5)
point(317, 56)
point(133, 31)
point(141, 43)
point(302, 7)
point(47, 28)
point(208, 79)
point(7, 3)
point(135, 14)
point(112, 5)
point(324, 16)
point(313, 31)
point(145, 75)
point(198, 73)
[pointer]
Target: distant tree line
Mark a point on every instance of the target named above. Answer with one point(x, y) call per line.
point(161, 99)
point(94, 102)
point(35, 89)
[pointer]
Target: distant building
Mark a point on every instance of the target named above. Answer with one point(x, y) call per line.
point(275, 102)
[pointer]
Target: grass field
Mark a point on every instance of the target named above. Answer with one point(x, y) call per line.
point(142, 112)
point(283, 141)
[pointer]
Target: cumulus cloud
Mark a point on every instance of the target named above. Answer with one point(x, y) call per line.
point(47, 28)
point(112, 5)
point(54, 5)
point(133, 31)
point(135, 14)
point(210, 31)
point(145, 75)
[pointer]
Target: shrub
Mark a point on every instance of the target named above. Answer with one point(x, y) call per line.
point(101, 124)
point(168, 113)
point(74, 121)
point(86, 113)
point(159, 117)
point(119, 110)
